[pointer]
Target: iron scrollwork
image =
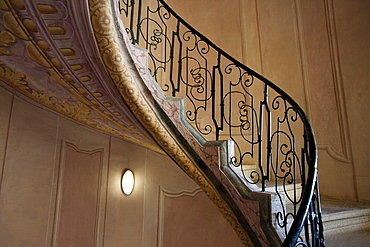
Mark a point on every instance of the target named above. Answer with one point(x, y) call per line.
point(274, 144)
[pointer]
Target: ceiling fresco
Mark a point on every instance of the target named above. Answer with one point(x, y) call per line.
point(49, 55)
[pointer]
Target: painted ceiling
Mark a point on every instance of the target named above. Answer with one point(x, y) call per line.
point(48, 55)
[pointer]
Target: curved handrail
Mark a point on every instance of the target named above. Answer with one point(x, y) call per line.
point(309, 201)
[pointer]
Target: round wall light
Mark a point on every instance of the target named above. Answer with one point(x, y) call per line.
point(127, 182)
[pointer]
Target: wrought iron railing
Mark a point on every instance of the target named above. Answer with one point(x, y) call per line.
point(274, 143)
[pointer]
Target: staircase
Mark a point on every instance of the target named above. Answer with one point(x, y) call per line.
point(242, 139)
point(250, 144)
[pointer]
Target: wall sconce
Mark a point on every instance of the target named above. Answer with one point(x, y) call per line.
point(127, 182)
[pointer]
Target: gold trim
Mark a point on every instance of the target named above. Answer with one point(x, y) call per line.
point(47, 9)
point(11, 23)
point(6, 38)
point(80, 112)
point(17, 4)
point(56, 30)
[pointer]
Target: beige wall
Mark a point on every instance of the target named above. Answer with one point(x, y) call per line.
point(318, 52)
point(208, 17)
point(60, 186)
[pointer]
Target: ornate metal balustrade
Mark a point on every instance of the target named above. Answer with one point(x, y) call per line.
point(275, 147)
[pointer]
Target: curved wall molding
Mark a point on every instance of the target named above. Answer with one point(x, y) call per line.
point(346, 152)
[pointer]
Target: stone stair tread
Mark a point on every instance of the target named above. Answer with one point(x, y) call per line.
point(347, 214)
point(330, 206)
point(338, 215)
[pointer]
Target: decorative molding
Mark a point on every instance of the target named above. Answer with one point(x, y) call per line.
point(167, 193)
point(346, 154)
point(339, 90)
point(58, 188)
point(302, 58)
point(259, 36)
point(162, 194)
point(329, 149)
point(325, 147)
point(244, 35)
point(6, 38)
point(5, 141)
point(73, 90)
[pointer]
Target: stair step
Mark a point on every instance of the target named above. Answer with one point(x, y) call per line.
point(289, 189)
point(270, 185)
point(337, 216)
point(345, 216)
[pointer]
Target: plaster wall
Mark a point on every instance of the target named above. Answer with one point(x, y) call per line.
point(317, 51)
point(60, 186)
point(219, 20)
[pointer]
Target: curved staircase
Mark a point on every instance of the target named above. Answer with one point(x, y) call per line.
point(242, 139)
point(269, 152)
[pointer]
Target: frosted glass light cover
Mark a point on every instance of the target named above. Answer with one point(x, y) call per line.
point(128, 182)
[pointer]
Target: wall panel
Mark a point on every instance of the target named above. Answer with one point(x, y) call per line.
point(190, 219)
point(5, 113)
point(161, 173)
point(27, 176)
point(218, 20)
point(124, 214)
point(322, 77)
point(85, 142)
point(317, 51)
point(79, 197)
point(61, 187)
point(352, 29)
